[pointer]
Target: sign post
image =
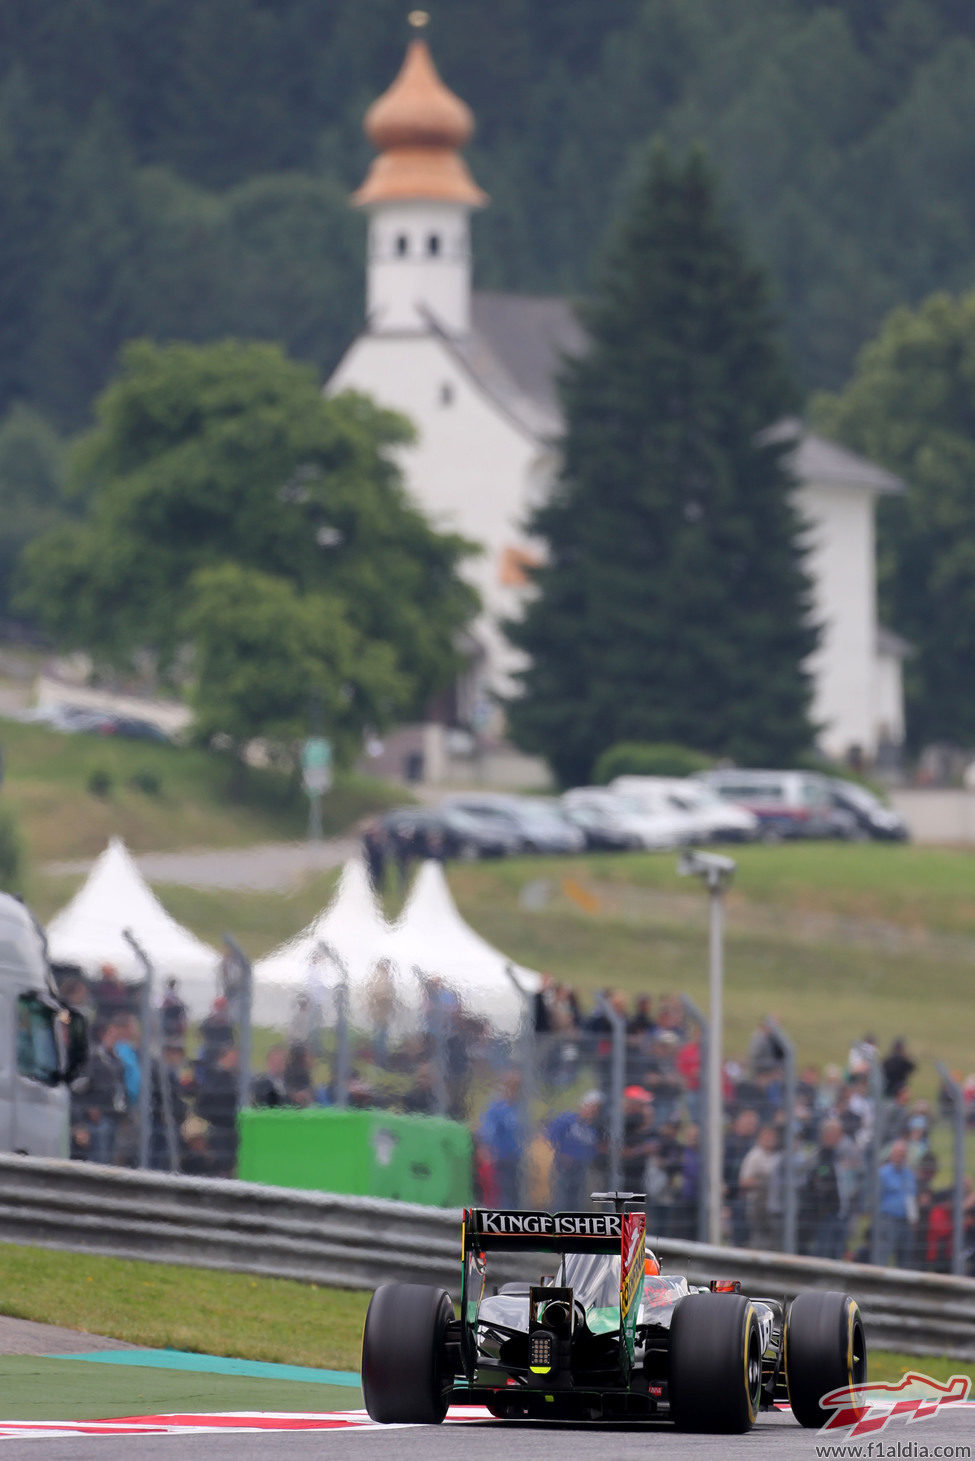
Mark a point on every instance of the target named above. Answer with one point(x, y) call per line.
point(316, 776)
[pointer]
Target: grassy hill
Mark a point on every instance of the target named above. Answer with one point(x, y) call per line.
point(157, 797)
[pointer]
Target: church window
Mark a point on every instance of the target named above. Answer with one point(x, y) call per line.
point(433, 244)
point(446, 394)
point(402, 245)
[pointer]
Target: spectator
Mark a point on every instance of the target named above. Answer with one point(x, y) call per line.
point(821, 1209)
point(637, 1135)
point(862, 1055)
point(105, 1100)
point(167, 1109)
point(739, 1140)
point(299, 1083)
point(754, 1182)
point(766, 1053)
point(173, 1014)
point(217, 1104)
point(381, 1004)
point(688, 1065)
point(502, 1135)
point(898, 1207)
point(894, 1117)
point(688, 1185)
point(233, 983)
point(898, 1067)
point(422, 1099)
point(111, 996)
point(375, 846)
point(269, 1089)
point(661, 1076)
point(198, 1160)
point(217, 1034)
point(656, 1183)
point(575, 1140)
point(128, 1048)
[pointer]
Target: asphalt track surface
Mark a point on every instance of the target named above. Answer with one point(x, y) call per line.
point(320, 1420)
point(775, 1437)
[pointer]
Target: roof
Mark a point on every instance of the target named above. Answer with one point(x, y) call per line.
point(418, 126)
point(817, 460)
point(892, 645)
point(513, 353)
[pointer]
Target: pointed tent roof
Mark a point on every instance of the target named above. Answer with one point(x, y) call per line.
point(351, 923)
point(89, 930)
point(433, 937)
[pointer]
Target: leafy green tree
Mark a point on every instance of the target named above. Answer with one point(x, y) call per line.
point(32, 465)
point(673, 604)
point(911, 407)
point(203, 456)
point(262, 649)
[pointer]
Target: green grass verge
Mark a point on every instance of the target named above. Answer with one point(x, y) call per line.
point(230, 1314)
point(195, 1309)
point(47, 777)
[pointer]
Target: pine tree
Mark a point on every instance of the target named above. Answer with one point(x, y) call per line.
point(673, 605)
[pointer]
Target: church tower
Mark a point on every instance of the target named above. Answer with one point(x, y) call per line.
point(419, 195)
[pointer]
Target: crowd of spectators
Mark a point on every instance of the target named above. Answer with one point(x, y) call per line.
point(837, 1115)
point(548, 1145)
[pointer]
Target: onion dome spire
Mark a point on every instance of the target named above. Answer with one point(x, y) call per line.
point(418, 127)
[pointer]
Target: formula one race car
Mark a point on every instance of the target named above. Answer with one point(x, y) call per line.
point(605, 1337)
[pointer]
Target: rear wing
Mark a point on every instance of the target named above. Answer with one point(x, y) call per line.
point(620, 1235)
point(487, 1229)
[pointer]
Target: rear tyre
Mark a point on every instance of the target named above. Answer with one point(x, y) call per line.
point(715, 1364)
point(404, 1371)
point(825, 1350)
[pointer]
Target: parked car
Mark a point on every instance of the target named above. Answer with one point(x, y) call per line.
point(788, 804)
point(450, 833)
point(872, 817)
point(714, 818)
point(538, 825)
point(603, 831)
point(653, 831)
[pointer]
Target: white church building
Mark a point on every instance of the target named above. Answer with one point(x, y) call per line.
point(475, 373)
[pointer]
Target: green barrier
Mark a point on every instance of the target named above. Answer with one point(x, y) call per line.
point(424, 1159)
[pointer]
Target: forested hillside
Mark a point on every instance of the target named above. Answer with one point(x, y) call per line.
point(181, 170)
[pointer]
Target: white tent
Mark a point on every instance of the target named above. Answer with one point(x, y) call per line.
point(89, 931)
point(432, 937)
point(351, 926)
point(431, 940)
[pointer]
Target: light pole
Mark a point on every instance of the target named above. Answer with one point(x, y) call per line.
point(716, 873)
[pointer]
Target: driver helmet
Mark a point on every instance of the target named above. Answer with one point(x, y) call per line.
point(651, 1264)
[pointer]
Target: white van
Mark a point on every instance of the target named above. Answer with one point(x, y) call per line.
point(43, 1042)
point(714, 819)
point(787, 803)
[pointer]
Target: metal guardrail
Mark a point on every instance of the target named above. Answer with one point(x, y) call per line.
point(356, 1242)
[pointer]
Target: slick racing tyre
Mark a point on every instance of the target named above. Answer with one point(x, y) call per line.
point(715, 1363)
point(404, 1376)
point(825, 1350)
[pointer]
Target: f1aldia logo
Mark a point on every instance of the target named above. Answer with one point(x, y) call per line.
point(869, 1408)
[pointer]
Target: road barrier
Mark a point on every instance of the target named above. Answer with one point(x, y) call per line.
point(355, 1242)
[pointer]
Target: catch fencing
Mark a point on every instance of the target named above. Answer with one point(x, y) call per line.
point(357, 1243)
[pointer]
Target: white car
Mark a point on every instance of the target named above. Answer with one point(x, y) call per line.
point(653, 830)
point(715, 819)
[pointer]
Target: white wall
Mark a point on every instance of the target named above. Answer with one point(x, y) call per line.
point(840, 536)
point(404, 273)
point(888, 698)
point(470, 470)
